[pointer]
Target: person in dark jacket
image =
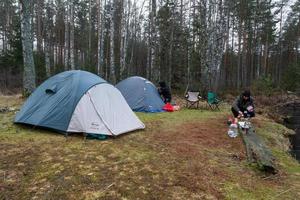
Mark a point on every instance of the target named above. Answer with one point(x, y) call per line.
point(243, 106)
point(164, 91)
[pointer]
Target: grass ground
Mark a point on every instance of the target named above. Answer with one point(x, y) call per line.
point(181, 155)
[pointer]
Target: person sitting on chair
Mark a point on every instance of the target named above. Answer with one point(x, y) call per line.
point(164, 91)
point(243, 106)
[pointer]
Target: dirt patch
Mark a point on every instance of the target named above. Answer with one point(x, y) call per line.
point(202, 149)
point(188, 138)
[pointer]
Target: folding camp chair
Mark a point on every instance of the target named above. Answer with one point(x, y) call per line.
point(192, 99)
point(213, 101)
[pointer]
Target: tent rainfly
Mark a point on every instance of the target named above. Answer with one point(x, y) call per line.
point(141, 94)
point(79, 101)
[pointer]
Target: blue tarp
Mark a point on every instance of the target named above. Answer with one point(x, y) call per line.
point(52, 104)
point(141, 95)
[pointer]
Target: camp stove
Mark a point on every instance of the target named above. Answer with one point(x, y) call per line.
point(244, 124)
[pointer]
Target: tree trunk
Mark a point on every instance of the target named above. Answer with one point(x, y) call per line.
point(47, 55)
point(226, 64)
point(221, 31)
point(266, 53)
point(153, 39)
point(100, 35)
point(203, 43)
point(6, 26)
point(112, 43)
point(188, 53)
point(253, 49)
point(126, 40)
point(233, 70)
point(170, 53)
point(170, 57)
point(258, 70)
point(123, 37)
point(103, 58)
point(48, 31)
point(67, 34)
point(27, 43)
point(244, 76)
point(39, 24)
point(133, 39)
point(148, 67)
point(279, 63)
point(239, 56)
point(72, 58)
point(90, 34)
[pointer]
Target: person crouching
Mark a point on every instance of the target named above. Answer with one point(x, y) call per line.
point(243, 106)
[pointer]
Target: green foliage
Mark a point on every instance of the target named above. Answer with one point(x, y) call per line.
point(13, 57)
point(39, 61)
point(58, 68)
point(291, 77)
point(264, 85)
point(291, 25)
point(11, 60)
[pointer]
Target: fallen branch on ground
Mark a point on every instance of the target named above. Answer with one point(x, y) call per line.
point(7, 109)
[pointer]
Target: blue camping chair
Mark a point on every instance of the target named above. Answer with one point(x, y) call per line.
point(213, 101)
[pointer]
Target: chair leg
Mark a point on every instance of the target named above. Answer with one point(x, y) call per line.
point(191, 104)
point(188, 104)
point(213, 106)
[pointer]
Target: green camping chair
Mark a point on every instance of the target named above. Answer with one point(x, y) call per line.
point(213, 101)
point(192, 99)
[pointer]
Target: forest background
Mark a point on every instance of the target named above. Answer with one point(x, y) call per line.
point(199, 44)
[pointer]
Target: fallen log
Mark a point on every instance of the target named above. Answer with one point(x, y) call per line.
point(257, 151)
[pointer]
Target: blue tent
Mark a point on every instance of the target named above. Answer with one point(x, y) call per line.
point(78, 101)
point(140, 94)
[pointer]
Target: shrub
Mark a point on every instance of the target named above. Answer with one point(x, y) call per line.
point(264, 85)
point(291, 77)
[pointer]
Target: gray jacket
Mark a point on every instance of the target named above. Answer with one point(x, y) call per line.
point(241, 105)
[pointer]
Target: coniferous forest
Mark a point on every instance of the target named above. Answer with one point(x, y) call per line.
point(213, 45)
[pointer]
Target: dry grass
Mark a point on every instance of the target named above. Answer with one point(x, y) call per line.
point(181, 155)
